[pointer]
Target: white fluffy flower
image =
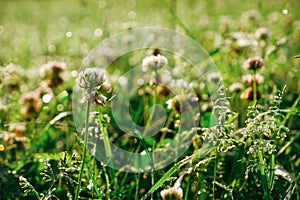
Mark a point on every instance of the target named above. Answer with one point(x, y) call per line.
point(91, 78)
point(154, 62)
point(93, 81)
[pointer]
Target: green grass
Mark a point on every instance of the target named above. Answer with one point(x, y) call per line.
point(253, 157)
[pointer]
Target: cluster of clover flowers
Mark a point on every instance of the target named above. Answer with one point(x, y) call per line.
point(252, 80)
point(94, 85)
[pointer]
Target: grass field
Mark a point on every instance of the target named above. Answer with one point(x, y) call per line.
point(53, 106)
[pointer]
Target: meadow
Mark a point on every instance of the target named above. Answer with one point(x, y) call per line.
point(140, 119)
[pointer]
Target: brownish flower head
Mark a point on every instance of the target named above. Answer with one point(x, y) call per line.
point(173, 193)
point(31, 104)
point(248, 94)
point(14, 136)
point(52, 72)
point(253, 63)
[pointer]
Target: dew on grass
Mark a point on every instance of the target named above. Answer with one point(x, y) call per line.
point(51, 48)
point(46, 98)
point(69, 34)
point(140, 81)
point(285, 11)
point(60, 107)
point(131, 14)
point(98, 32)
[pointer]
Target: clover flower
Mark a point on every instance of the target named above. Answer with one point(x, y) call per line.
point(173, 193)
point(94, 82)
point(15, 136)
point(154, 62)
point(32, 104)
point(51, 71)
point(236, 87)
point(253, 63)
point(262, 33)
point(248, 79)
point(248, 94)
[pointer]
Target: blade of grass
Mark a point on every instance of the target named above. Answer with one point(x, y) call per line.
point(99, 196)
point(288, 144)
point(290, 113)
point(263, 175)
point(272, 171)
point(166, 176)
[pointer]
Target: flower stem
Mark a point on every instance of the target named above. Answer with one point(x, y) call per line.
point(254, 88)
point(84, 150)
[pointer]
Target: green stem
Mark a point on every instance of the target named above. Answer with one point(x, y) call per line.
point(84, 150)
point(254, 88)
point(106, 139)
point(263, 175)
point(215, 175)
point(272, 171)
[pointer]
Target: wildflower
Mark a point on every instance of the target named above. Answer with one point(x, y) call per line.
point(14, 135)
point(253, 63)
point(248, 94)
point(52, 72)
point(154, 62)
point(214, 77)
point(32, 104)
point(95, 83)
point(262, 33)
point(172, 193)
point(236, 87)
point(248, 79)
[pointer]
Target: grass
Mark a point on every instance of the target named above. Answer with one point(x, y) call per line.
point(255, 152)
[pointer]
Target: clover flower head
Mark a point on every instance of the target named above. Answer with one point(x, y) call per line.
point(94, 82)
point(253, 63)
point(262, 33)
point(91, 78)
point(32, 104)
point(248, 79)
point(236, 87)
point(53, 68)
point(51, 71)
point(173, 193)
point(248, 94)
point(154, 62)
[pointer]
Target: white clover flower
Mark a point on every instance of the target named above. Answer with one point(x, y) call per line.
point(262, 33)
point(94, 82)
point(214, 77)
point(91, 78)
point(154, 62)
point(236, 87)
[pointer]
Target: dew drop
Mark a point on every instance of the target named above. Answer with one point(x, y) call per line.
point(47, 98)
point(285, 11)
point(69, 34)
